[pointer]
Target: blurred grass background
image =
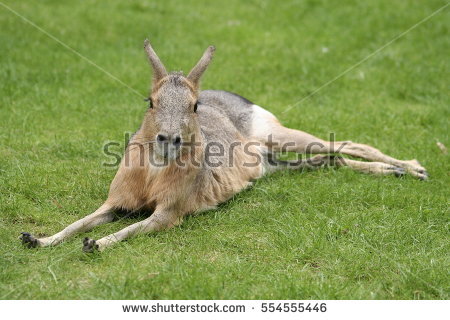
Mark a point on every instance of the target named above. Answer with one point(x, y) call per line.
point(330, 234)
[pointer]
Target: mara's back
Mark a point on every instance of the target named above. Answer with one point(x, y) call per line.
point(223, 113)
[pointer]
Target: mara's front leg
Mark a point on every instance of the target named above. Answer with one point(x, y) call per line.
point(102, 215)
point(161, 219)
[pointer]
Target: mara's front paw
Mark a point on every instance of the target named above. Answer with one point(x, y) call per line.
point(28, 240)
point(89, 245)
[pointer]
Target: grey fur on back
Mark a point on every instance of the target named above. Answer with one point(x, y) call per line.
point(215, 104)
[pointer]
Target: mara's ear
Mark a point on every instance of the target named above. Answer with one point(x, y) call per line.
point(159, 71)
point(196, 72)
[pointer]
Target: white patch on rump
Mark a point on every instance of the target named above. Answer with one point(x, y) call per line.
point(262, 122)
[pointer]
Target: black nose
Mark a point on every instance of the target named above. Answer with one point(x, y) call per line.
point(162, 138)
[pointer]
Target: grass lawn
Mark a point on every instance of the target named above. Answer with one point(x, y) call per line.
point(329, 234)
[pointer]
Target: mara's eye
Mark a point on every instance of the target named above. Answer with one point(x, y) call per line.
point(195, 107)
point(150, 103)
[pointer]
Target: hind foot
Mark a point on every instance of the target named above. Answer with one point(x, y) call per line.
point(414, 168)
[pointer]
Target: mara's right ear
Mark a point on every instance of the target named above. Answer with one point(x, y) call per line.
point(159, 71)
point(196, 72)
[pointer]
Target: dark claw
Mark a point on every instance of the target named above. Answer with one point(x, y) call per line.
point(28, 240)
point(398, 172)
point(424, 177)
point(89, 245)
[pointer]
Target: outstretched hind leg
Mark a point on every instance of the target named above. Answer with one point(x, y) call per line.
point(267, 129)
point(320, 161)
point(370, 153)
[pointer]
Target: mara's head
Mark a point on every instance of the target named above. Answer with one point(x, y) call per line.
point(171, 119)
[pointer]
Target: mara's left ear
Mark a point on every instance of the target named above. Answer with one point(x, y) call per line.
point(196, 72)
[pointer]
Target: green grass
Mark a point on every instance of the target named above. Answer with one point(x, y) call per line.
point(330, 234)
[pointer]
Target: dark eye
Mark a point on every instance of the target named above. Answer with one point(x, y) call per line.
point(195, 107)
point(150, 103)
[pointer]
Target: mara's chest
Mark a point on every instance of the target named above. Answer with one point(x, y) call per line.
point(185, 188)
